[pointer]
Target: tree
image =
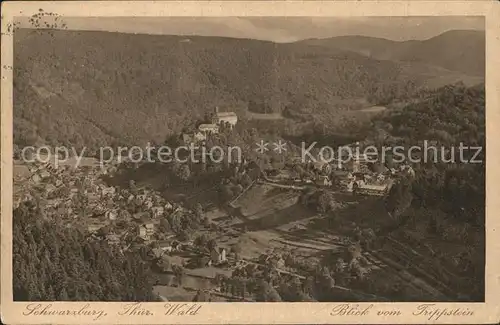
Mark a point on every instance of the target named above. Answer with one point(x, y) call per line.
point(330, 281)
point(203, 261)
point(202, 241)
point(326, 202)
point(211, 244)
point(389, 160)
point(227, 192)
point(293, 291)
point(339, 266)
point(164, 225)
point(358, 270)
point(354, 252)
point(103, 231)
point(63, 295)
point(376, 167)
point(309, 285)
point(399, 198)
point(198, 211)
point(184, 173)
point(69, 265)
point(267, 293)
point(237, 189)
point(132, 186)
point(367, 237)
point(164, 263)
point(175, 222)
point(306, 195)
point(185, 235)
point(245, 180)
point(16, 152)
point(202, 296)
point(236, 249)
point(178, 271)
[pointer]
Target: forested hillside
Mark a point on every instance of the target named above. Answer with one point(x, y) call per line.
point(54, 262)
point(458, 50)
point(443, 207)
point(448, 117)
point(97, 88)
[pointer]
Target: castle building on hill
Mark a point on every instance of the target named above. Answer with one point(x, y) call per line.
point(224, 117)
point(218, 118)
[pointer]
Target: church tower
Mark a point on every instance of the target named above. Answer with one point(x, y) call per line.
point(215, 116)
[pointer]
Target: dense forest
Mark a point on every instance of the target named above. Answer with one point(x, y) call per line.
point(444, 205)
point(449, 116)
point(95, 88)
point(54, 262)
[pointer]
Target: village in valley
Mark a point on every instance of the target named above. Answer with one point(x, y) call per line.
point(269, 227)
point(291, 166)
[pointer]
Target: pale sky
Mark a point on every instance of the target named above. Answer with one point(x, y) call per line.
point(283, 29)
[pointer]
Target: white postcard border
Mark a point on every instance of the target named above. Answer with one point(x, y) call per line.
point(259, 313)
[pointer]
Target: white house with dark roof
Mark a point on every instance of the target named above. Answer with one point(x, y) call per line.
point(218, 256)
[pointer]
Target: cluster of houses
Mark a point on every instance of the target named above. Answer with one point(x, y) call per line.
point(58, 185)
point(124, 217)
point(218, 256)
point(374, 183)
point(145, 216)
point(79, 195)
point(350, 175)
point(57, 176)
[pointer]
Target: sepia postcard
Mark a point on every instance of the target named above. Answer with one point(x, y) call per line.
point(239, 162)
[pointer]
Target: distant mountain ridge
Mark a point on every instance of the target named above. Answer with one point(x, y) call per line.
point(100, 88)
point(456, 50)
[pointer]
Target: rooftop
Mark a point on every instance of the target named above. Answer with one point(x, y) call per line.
point(376, 187)
point(226, 114)
point(207, 126)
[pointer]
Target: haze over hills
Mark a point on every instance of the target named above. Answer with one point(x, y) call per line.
point(457, 50)
point(100, 88)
